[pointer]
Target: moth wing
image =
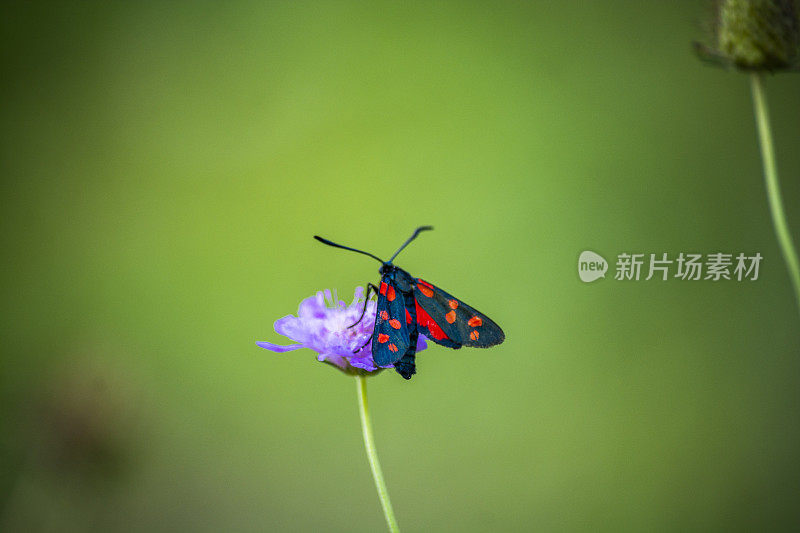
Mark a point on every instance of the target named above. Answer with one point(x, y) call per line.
point(390, 339)
point(450, 322)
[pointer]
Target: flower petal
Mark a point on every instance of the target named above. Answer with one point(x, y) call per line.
point(292, 327)
point(365, 363)
point(421, 343)
point(313, 307)
point(277, 347)
point(334, 359)
point(359, 295)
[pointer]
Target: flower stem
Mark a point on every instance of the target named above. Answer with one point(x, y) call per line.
point(372, 454)
point(773, 186)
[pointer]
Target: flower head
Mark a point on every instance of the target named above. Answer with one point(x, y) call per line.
point(754, 35)
point(323, 325)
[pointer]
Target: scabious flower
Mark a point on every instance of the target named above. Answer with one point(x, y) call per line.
point(323, 325)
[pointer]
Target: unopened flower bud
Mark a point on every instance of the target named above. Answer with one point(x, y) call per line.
point(755, 34)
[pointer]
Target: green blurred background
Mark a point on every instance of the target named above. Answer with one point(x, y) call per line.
point(164, 167)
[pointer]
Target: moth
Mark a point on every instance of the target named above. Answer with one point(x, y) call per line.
point(408, 306)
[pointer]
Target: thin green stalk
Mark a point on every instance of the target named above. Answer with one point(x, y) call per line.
point(372, 454)
point(773, 186)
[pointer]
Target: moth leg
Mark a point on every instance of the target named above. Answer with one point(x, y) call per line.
point(370, 287)
point(363, 345)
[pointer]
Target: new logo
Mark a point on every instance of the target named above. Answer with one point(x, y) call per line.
point(591, 266)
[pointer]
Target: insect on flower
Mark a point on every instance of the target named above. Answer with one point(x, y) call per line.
point(325, 325)
point(408, 306)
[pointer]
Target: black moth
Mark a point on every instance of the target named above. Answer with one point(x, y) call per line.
point(408, 306)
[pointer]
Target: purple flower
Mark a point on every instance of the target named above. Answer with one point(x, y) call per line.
point(322, 324)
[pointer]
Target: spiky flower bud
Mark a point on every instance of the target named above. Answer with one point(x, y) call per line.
point(755, 34)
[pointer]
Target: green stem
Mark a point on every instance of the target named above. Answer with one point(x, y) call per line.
point(773, 186)
point(372, 454)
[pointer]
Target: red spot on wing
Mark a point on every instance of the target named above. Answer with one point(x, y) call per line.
point(425, 320)
point(475, 321)
point(425, 288)
point(392, 348)
point(453, 304)
point(390, 294)
point(383, 288)
point(450, 317)
point(383, 337)
point(474, 335)
point(408, 317)
point(384, 315)
point(395, 323)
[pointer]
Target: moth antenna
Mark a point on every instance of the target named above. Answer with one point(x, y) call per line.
point(330, 243)
point(414, 236)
